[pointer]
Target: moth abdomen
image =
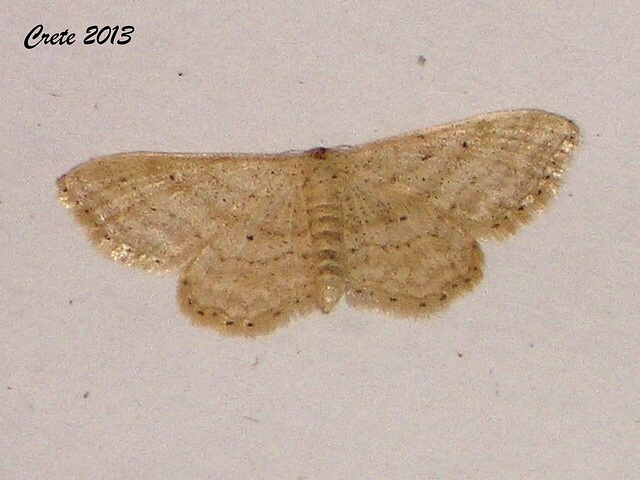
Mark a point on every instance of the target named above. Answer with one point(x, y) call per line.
point(327, 245)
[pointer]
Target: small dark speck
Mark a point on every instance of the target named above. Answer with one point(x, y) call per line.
point(460, 355)
point(172, 177)
point(71, 302)
point(421, 60)
point(465, 145)
point(201, 312)
point(180, 74)
point(402, 218)
point(249, 237)
point(54, 94)
point(319, 153)
point(85, 394)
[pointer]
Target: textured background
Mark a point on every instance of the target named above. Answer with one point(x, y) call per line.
point(533, 375)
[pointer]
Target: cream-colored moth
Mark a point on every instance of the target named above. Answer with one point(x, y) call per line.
point(393, 225)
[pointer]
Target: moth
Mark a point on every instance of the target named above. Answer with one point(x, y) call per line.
point(392, 225)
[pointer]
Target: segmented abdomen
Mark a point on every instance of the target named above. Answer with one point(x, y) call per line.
point(326, 225)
